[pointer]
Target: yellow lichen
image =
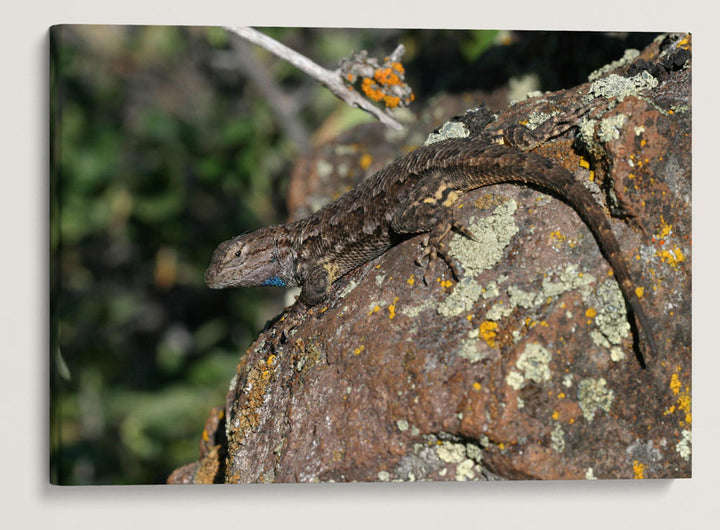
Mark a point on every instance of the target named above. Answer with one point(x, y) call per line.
point(639, 469)
point(684, 400)
point(675, 383)
point(391, 308)
point(487, 332)
point(365, 160)
point(672, 257)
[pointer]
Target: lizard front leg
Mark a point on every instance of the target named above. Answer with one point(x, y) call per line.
point(316, 281)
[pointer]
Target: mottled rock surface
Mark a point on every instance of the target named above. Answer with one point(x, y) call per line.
point(524, 369)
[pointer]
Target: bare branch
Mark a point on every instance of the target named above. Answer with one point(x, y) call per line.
point(331, 79)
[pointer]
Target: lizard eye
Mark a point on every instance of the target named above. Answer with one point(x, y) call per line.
point(237, 254)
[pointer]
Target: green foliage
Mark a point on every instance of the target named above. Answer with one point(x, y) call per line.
point(156, 161)
point(476, 42)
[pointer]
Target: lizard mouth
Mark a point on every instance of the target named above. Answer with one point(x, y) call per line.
point(211, 278)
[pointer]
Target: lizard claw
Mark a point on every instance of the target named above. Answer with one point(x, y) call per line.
point(435, 247)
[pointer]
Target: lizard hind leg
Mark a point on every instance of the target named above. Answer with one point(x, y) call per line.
point(434, 246)
point(428, 211)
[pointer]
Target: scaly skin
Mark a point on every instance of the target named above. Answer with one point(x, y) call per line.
point(411, 195)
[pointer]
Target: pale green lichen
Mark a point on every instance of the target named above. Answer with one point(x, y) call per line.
point(474, 452)
point(491, 235)
point(469, 350)
point(629, 56)
point(467, 457)
point(515, 380)
point(465, 470)
point(379, 279)
point(491, 290)
point(535, 119)
point(499, 311)
point(534, 363)
point(348, 289)
point(402, 425)
point(414, 311)
point(374, 307)
point(451, 452)
point(463, 297)
point(611, 318)
point(570, 279)
point(590, 474)
point(383, 476)
point(616, 86)
point(593, 394)
point(684, 446)
point(557, 438)
point(616, 354)
point(610, 127)
point(450, 129)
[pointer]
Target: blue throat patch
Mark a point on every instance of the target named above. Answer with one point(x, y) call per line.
point(275, 281)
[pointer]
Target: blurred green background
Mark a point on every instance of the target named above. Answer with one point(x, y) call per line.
point(163, 144)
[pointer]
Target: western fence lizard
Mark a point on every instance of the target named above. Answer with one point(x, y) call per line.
point(412, 195)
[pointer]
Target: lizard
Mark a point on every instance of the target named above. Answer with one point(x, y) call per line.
point(413, 195)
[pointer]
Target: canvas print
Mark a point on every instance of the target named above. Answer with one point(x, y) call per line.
point(285, 255)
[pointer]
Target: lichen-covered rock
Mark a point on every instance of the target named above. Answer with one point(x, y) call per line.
point(525, 367)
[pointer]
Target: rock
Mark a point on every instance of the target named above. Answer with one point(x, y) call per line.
point(524, 369)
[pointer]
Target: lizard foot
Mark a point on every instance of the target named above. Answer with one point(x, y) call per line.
point(434, 246)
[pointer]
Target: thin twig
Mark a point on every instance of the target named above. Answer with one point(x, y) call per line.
point(330, 79)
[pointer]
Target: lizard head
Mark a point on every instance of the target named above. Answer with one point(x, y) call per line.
point(251, 260)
